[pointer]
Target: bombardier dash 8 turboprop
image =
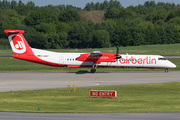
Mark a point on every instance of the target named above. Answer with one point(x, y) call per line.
point(23, 51)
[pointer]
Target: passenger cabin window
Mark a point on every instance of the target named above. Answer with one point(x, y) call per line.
point(161, 58)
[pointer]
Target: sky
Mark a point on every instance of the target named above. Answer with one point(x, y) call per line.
point(82, 3)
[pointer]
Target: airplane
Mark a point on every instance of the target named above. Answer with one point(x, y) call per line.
point(23, 51)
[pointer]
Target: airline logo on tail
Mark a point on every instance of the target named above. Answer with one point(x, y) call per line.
point(17, 43)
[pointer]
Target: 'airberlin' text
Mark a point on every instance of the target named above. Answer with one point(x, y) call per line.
point(147, 60)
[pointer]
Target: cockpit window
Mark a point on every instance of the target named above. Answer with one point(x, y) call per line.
point(161, 58)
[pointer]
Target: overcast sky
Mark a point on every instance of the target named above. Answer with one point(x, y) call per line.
point(82, 3)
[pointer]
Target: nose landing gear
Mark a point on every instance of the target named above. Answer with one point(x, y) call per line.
point(166, 71)
point(93, 70)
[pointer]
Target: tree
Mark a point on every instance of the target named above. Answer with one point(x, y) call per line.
point(37, 40)
point(105, 5)
point(36, 18)
point(154, 17)
point(112, 14)
point(169, 29)
point(97, 6)
point(30, 5)
point(69, 16)
point(26, 28)
point(55, 11)
point(46, 28)
point(14, 5)
point(63, 43)
point(53, 41)
point(77, 37)
point(125, 14)
point(5, 4)
point(14, 18)
point(100, 39)
point(88, 7)
point(173, 15)
point(62, 27)
point(175, 21)
point(114, 4)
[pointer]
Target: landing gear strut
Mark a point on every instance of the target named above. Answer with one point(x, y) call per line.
point(93, 70)
point(167, 70)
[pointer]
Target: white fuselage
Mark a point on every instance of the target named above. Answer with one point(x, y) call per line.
point(127, 61)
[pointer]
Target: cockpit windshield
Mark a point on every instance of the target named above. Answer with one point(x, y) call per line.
point(162, 59)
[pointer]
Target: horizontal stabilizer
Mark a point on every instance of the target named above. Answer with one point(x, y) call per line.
point(13, 31)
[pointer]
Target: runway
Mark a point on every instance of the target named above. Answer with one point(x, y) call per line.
point(89, 116)
point(16, 81)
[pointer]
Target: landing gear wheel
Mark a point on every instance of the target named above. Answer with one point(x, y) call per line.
point(93, 70)
point(166, 70)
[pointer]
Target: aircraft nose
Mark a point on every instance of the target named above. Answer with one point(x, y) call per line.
point(172, 65)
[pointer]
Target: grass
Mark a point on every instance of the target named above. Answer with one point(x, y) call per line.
point(12, 64)
point(161, 97)
point(165, 49)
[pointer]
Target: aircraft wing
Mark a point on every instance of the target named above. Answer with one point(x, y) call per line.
point(90, 57)
point(97, 57)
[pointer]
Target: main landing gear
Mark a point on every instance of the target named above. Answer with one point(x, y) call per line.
point(166, 71)
point(93, 70)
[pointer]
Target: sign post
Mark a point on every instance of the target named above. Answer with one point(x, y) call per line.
point(69, 86)
point(74, 87)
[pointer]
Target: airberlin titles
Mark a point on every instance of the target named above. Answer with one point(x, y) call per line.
point(147, 60)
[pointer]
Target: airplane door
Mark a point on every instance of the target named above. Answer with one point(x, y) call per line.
point(61, 60)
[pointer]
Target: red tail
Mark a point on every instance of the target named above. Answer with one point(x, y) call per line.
point(18, 43)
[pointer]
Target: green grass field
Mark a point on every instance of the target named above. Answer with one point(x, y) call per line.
point(165, 49)
point(162, 97)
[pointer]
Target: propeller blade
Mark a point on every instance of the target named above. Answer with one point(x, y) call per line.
point(117, 53)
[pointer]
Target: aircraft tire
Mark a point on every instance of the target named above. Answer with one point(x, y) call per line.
point(93, 70)
point(166, 71)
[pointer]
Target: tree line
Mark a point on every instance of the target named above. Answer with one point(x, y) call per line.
point(53, 27)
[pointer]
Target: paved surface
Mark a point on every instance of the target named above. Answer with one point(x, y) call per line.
point(172, 56)
point(29, 81)
point(5, 56)
point(90, 116)
point(15, 81)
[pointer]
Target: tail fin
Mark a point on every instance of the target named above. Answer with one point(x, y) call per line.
point(18, 43)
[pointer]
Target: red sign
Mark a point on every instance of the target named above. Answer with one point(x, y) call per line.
point(103, 93)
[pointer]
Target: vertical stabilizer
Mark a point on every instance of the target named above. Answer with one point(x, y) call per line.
point(18, 43)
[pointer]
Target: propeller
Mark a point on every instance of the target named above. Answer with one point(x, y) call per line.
point(117, 53)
